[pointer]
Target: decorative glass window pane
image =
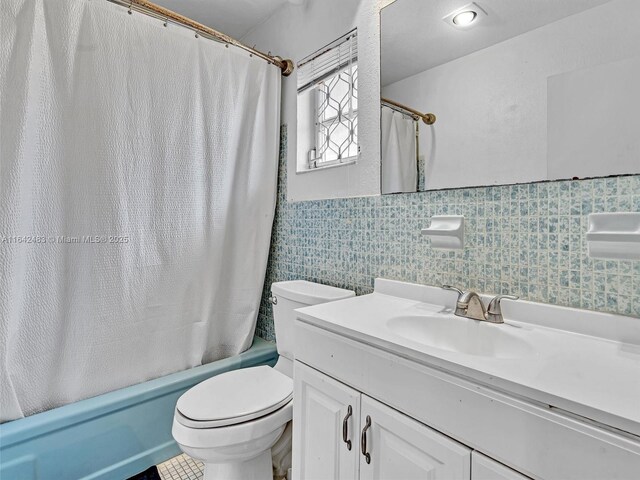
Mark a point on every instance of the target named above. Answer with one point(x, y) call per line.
point(337, 117)
point(328, 97)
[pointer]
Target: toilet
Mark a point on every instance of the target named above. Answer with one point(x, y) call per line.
point(230, 422)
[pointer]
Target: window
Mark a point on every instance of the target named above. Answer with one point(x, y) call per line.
point(328, 93)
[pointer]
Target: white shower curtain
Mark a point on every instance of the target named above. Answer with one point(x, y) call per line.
point(399, 155)
point(138, 169)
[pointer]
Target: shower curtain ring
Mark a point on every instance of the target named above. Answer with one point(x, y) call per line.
point(130, 12)
point(166, 22)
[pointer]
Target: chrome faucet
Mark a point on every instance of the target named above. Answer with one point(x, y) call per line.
point(470, 305)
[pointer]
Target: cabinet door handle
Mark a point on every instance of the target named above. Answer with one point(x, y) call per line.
point(345, 428)
point(363, 440)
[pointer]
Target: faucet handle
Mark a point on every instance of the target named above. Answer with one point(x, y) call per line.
point(494, 305)
point(455, 289)
point(494, 311)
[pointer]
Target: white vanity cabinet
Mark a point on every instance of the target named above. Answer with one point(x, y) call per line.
point(325, 428)
point(452, 399)
point(485, 468)
point(399, 447)
point(341, 434)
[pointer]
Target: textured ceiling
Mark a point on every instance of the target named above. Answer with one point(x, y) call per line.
point(233, 17)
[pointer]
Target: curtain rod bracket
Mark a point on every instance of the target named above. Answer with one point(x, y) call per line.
point(287, 66)
point(429, 118)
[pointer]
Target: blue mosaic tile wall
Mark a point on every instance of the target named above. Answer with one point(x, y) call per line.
point(526, 240)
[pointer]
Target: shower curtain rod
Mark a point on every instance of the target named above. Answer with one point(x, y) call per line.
point(151, 9)
point(428, 118)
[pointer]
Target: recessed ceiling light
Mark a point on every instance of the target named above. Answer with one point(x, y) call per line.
point(463, 19)
point(465, 16)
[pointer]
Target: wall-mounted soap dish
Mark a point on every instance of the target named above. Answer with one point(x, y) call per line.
point(446, 232)
point(614, 236)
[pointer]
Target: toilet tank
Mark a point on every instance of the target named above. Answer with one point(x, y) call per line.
point(287, 296)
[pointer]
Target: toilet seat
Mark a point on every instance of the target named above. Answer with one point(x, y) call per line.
point(237, 434)
point(234, 397)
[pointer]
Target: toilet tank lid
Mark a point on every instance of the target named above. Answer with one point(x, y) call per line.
point(309, 293)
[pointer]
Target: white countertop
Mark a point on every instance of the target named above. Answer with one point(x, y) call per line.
point(592, 376)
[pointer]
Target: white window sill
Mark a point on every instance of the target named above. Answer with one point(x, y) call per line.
point(347, 161)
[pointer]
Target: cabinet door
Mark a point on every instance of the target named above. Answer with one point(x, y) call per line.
point(485, 468)
point(401, 448)
point(321, 405)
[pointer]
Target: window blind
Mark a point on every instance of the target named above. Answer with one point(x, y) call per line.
point(327, 61)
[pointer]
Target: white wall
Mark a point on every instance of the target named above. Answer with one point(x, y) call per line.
point(297, 31)
point(492, 105)
point(593, 121)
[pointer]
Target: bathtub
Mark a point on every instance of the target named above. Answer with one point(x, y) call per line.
point(111, 436)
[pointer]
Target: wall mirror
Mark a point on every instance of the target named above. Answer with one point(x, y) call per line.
point(500, 91)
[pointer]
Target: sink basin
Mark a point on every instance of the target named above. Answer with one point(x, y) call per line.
point(462, 335)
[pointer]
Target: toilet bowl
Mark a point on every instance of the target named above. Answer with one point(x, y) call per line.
point(238, 446)
point(231, 421)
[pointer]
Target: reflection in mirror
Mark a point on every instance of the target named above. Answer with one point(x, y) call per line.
point(399, 133)
point(523, 91)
